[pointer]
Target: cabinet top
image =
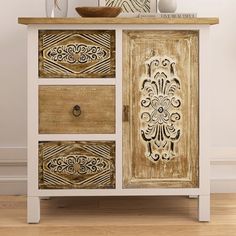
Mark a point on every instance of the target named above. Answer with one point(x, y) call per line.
point(118, 20)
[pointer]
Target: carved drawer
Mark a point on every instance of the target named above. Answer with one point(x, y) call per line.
point(76, 109)
point(76, 53)
point(77, 165)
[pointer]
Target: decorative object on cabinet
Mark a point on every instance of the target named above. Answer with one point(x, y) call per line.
point(77, 54)
point(131, 6)
point(167, 6)
point(135, 123)
point(56, 8)
point(98, 11)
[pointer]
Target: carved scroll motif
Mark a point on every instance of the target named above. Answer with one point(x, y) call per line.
point(160, 109)
point(81, 165)
point(76, 54)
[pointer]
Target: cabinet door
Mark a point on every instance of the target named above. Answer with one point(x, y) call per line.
point(160, 98)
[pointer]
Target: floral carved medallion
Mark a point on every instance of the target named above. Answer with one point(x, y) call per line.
point(160, 109)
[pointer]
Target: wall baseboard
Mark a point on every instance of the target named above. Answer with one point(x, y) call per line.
point(13, 155)
point(16, 185)
point(13, 170)
point(223, 185)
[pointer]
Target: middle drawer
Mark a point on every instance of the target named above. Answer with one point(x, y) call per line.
point(76, 109)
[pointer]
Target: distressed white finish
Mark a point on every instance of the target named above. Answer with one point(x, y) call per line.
point(33, 137)
point(204, 207)
point(33, 210)
point(204, 136)
point(119, 109)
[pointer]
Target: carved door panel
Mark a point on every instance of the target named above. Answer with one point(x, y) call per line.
point(160, 98)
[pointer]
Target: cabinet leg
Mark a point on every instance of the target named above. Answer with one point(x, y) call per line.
point(33, 210)
point(204, 208)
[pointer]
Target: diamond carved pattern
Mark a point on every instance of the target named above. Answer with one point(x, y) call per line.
point(76, 54)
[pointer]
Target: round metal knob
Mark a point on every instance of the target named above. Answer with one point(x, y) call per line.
point(76, 111)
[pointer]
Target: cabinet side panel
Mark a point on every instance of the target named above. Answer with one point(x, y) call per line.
point(162, 131)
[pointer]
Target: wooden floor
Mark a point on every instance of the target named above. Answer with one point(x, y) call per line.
point(159, 216)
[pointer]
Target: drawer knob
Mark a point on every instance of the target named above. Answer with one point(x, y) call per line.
point(76, 111)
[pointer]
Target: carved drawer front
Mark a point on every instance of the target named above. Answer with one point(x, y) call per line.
point(76, 53)
point(160, 129)
point(80, 165)
point(76, 109)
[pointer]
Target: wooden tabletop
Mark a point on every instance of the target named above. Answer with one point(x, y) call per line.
point(118, 20)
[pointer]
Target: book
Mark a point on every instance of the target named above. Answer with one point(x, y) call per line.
point(168, 15)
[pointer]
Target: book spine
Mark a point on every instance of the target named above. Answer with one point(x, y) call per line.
point(169, 15)
point(180, 15)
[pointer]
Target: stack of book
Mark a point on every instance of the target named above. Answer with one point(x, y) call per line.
point(168, 15)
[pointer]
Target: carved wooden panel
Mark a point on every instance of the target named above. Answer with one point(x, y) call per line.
point(81, 165)
point(76, 53)
point(131, 6)
point(161, 90)
point(76, 109)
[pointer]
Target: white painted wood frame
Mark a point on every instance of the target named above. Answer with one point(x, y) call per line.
point(34, 82)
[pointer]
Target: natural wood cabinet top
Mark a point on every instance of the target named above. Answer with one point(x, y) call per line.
point(119, 20)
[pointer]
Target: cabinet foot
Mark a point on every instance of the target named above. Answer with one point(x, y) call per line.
point(204, 208)
point(33, 210)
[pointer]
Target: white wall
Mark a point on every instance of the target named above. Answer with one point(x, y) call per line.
point(221, 94)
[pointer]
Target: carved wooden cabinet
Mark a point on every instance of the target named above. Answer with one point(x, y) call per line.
point(117, 107)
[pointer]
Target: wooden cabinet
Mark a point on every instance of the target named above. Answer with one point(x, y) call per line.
point(117, 107)
point(160, 138)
